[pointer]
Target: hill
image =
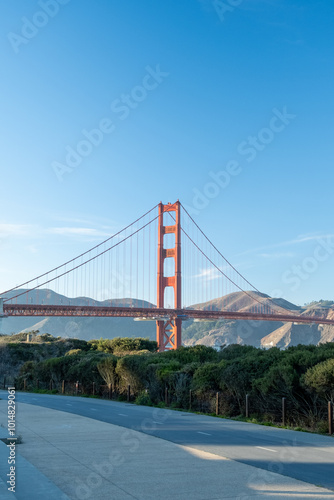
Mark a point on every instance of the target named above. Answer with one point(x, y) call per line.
point(259, 333)
point(242, 302)
point(83, 328)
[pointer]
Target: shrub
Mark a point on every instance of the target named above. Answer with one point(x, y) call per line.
point(206, 378)
point(123, 345)
point(143, 399)
point(131, 371)
point(73, 351)
point(107, 370)
point(320, 378)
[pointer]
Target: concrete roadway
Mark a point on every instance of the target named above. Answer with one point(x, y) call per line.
point(302, 456)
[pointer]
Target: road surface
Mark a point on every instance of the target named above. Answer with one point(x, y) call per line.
point(303, 456)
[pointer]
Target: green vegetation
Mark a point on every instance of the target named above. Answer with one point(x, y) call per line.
point(304, 375)
point(321, 379)
point(47, 357)
point(121, 345)
point(15, 351)
point(107, 369)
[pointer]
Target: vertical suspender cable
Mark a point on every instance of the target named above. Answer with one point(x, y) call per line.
point(137, 271)
point(131, 277)
point(149, 263)
point(124, 273)
point(144, 256)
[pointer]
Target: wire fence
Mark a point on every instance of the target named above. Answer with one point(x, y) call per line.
point(212, 403)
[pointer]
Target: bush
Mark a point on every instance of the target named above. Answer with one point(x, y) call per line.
point(123, 345)
point(131, 371)
point(73, 351)
point(143, 399)
point(206, 378)
point(107, 370)
point(320, 378)
point(47, 337)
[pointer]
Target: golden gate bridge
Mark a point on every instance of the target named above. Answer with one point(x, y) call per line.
point(144, 272)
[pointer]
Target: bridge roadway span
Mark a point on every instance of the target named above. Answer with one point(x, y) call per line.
point(152, 313)
point(303, 456)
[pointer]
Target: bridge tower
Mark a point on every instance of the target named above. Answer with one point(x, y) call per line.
point(169, 331)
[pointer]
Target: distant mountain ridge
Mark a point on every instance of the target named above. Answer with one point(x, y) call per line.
point(260, 333)
point(242, 302)
point(213, 333)
point(46, 296)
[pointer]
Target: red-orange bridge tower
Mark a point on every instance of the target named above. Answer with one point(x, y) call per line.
point(169, 330)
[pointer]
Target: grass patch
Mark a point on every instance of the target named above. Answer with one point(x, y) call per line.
point(45, 391)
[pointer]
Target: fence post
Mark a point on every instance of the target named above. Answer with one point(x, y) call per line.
point(128, 396)
point(51, 386)
point(37, 384)
point(330, 418)
point(76, 387)
point(283, 411)
point(190, 399)
point(110, 392)
point(25, 384)
point(63, 387)
point(217, 403)
point(166, 396)
point(247, 405)
point(93, 388)
point(4, 382)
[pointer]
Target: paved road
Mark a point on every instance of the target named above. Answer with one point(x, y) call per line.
point(303, 456)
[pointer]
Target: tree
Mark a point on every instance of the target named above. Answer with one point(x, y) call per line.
point(321, 378)
point(107, 370)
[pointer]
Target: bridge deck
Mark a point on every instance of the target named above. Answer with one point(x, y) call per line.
point(152, 313)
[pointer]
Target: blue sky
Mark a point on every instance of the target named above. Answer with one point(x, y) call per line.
point(230, 111)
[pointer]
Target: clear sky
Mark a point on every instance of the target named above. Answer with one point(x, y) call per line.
point(227, 108)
